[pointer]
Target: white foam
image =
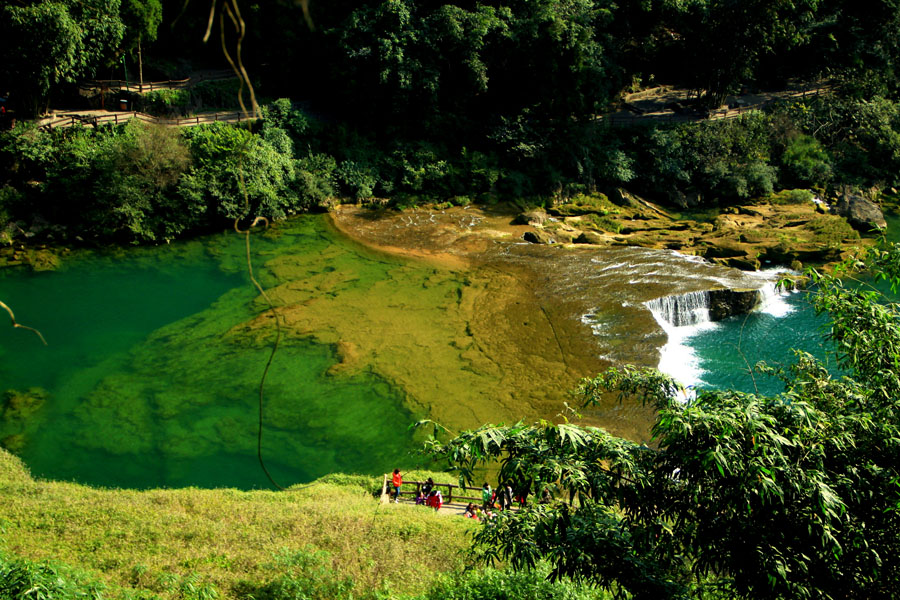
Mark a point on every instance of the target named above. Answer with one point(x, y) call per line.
point(773, 301)
point(677, 359)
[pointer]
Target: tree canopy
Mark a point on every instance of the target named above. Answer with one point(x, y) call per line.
point(790, 496)
point(48, 43)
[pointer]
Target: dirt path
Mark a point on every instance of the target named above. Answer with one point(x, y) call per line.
point(67, 118)
point(668, 103)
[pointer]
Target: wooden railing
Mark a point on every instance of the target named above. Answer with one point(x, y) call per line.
point(117, 118)
point(149, 86)
point(387, 489)
point(712, 115)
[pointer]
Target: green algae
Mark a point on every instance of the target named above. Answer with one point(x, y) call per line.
point(156, 355)
point(153, 386)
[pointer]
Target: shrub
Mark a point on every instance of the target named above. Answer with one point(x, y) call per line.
point(316, 178)
point(237, 174)
point(357, 181)
point(494, 584)
point(785, 197)
point(805, 162)
point(167, 103)
point(304, 574)
point(25, 580)
point(284, 115)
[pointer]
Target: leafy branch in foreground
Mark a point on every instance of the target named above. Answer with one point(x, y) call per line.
point(789, 496)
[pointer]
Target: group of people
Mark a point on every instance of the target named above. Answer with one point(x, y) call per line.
point(428, 495)
point(500, 499)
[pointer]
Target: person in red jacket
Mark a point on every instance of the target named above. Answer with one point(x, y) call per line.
point(397, 481)
point(435, 500)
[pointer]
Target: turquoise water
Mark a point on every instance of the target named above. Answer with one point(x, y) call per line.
point(146, 384)
point(723, 352)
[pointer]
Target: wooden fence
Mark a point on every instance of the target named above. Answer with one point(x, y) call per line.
point(619, 120)
point(149, 86)
point(386, 489)
point(118, 118)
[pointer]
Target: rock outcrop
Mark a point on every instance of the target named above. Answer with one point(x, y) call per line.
point(725, 303)
point(534, 218)
point(538, 236)
point(862, 214)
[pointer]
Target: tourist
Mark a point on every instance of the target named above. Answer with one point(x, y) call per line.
point(521, 495)
point(506, 496)
point(487, 496)
point(470, 511)
point(420, 499)
point(435, 500)
point(427, 487)
point(397, 481)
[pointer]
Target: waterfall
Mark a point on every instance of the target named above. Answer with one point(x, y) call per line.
point(681, 310)
point(773, 301)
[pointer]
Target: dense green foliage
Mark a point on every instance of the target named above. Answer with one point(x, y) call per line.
point(456, 102)
point(148, 183)
point(789, 496)
point(20, 579)
point(49, 43)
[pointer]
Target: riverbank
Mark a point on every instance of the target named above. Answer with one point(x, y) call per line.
point(792, 229)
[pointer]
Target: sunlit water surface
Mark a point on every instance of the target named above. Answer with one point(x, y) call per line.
point(154, 359)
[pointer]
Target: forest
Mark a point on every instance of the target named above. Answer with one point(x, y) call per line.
point(413, 102)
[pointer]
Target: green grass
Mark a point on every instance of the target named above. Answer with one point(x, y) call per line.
point(331, 539)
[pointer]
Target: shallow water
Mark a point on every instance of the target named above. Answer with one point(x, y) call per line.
point(155, 354)
point(148, 387)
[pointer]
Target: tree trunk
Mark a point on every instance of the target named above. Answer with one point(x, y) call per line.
point(140, 66)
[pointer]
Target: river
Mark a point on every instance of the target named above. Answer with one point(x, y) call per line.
point(155, 354)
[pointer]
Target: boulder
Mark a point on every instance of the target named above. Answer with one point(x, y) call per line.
point(538, 236)
point(744, 263)
point(565, 236)
point(622, 197)
point(535, 218)
point(725, 303)
point(589, 237)
point(862, 214)
point(723, 248)
point(750, 212)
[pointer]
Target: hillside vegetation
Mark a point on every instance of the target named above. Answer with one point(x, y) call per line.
point(197, 543)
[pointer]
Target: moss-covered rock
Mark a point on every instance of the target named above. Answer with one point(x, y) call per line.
point(583, 204)
point(538, 236)
point(20, 405)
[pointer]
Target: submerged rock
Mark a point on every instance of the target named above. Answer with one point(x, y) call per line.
point(13, 443)
point(19, 405)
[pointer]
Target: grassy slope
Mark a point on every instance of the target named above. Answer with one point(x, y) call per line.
point(154, 541)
